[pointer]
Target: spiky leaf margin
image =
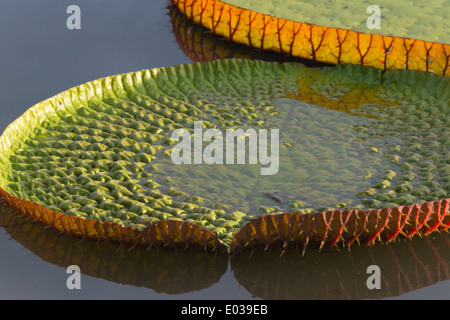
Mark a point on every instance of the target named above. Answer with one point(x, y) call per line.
point(318, 43)
point(338, 227)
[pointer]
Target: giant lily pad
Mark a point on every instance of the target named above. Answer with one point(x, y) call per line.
point(413, 35)
point(363, 156)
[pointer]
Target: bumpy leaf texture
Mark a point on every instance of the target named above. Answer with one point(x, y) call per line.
point(83, 160)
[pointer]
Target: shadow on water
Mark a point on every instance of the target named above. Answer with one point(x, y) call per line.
point(332, 274)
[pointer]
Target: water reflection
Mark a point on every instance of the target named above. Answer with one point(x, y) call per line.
point(341, 274)
point(161, 270)
point(332, 274)
point(200, 45)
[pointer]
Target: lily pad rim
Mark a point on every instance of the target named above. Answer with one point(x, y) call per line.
point(213, 236)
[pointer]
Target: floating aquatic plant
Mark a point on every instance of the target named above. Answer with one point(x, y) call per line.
point(93, 160)
point(411, 36)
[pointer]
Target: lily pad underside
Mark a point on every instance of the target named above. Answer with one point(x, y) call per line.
point(337, 35)
point(200, 45)
point(94, 161)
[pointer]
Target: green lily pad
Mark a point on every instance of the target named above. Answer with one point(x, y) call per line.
point(102, 150)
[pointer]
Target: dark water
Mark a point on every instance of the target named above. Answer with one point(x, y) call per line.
point(40, 57)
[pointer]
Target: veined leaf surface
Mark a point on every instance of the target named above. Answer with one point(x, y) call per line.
point(406, 40)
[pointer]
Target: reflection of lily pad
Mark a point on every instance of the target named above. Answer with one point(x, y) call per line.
point(339, 34)
point(340, 274)
point(330, 274)
point(200, 45)
point(89, 160)
point(160, 271)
